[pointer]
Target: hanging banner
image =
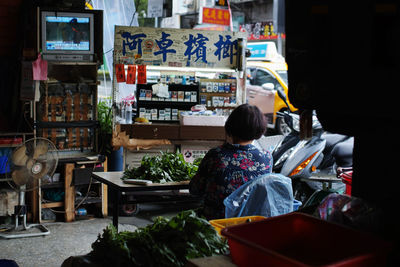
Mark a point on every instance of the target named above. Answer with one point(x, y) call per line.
point(131, 74)
point(176, 47)
point(216, 16)
point(120, 72)
point(141, 76)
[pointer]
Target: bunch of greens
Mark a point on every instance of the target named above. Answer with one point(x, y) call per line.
point(167, 167)
point(164, 243)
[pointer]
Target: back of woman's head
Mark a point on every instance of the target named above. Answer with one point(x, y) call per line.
point(246, 122)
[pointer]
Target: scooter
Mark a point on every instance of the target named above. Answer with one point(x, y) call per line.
point(288, 144)
point(302, 159)
point(291, 143)
point(343, 153)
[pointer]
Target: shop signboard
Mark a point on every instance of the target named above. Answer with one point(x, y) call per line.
point(177, 47)
point(216, 16)
point(258, 50)
point(263, 51)
point(221, 3)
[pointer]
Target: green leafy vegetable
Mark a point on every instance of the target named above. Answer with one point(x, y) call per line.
point(164, 243)
point(104, 115)
point(167, 167)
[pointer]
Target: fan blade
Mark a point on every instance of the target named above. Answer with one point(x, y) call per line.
point(29, 164)
point(19, 156)
point(20, 177)
point(40, 149)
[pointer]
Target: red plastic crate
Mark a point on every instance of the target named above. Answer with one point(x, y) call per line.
point(297, 239)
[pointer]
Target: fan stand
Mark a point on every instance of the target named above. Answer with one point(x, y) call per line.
point(20, 211)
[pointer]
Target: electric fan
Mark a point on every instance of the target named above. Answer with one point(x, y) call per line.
point(33, 163)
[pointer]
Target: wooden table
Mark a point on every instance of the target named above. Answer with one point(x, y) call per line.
point(213, 261)
point(117, 186)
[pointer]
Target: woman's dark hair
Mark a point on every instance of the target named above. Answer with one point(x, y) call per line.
point(246, 122)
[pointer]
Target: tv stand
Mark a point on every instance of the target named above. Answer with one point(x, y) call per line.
point(66, 57)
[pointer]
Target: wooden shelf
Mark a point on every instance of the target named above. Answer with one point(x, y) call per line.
point(155, 103)
point(88, 200)
point(14, 134)
point(53, 185)
point(10, 145)
point(218, 93)
point(70, 199)
point(52, 205)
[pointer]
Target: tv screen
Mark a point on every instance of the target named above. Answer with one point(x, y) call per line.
point(70, 33)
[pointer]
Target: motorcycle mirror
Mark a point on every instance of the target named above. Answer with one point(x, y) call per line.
point(268, 86)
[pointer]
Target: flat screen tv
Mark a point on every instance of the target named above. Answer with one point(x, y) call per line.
point(67, 36)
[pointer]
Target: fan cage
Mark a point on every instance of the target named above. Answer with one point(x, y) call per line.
point(41, 162)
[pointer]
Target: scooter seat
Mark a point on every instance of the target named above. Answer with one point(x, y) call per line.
point(343, 153)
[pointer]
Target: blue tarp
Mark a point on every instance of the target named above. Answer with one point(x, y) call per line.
point(268, 195)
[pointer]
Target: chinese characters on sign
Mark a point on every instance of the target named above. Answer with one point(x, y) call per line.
point(131, 76)
point(172, 47)
point(132, 41)
point(120, 72)
point(164, 44)
point(196, 46)
point(216, 16)
point(225, 48)
point(221, 3)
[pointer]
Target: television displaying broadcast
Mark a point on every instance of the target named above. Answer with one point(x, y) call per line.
point(67, 33)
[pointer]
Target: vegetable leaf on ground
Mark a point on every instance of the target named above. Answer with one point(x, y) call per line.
point(163, 243)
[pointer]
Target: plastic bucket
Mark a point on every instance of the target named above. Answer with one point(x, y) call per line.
point(222, 223)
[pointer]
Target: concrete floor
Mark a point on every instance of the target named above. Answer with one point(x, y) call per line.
point(75, 238)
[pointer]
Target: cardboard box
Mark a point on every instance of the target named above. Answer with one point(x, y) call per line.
point(8, 200)
point(202, 120)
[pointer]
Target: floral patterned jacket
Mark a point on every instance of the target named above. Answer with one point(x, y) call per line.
point(223, 170)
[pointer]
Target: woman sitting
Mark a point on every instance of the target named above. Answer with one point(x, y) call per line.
point(225, 168)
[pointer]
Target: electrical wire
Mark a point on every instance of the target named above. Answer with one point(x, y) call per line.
point(87, 194)
point(80, 203)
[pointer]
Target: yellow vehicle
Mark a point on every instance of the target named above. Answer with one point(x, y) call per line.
point(263, 80)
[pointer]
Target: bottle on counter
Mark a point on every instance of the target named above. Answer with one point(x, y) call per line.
point(128, 113)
